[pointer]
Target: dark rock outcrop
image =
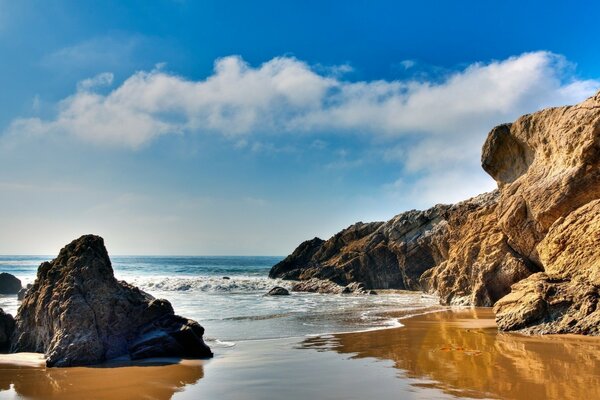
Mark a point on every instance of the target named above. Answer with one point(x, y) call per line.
point(7, 327)
point(77, 313)
point(456, 251)
point(278, 291)
point(21, 294)
point(9, 284)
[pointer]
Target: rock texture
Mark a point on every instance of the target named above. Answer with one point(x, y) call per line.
point(550, 211)
point(457, 251)
point(278, 291)
point(77, 313)
point(7, 326)
point(9, 284)
point(537, 237)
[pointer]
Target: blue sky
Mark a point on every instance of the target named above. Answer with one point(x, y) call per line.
point(180, 127)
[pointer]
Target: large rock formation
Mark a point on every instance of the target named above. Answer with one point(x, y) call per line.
point(540, 230)
point(457, 251)
point(7, 326)
point(550, 211)
point(77, 313)
point(9, 284)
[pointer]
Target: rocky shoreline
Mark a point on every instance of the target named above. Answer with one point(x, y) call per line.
point(531, 248)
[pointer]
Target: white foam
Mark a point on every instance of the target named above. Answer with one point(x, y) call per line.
point(241, 284)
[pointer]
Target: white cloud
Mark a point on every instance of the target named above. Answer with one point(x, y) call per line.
point(287, 95)
point(103, 79)
point(446, 120)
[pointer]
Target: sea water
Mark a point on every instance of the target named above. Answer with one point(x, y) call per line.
point(227, 296)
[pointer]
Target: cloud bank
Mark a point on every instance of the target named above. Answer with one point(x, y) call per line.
point(286, 95)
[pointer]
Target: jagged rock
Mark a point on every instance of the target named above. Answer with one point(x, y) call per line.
point(288, 268)
point(22, 293)
point(77, 313)
point(9, 284)
point(278, 291)
point(566, 297)
point(456, 251)
point(550, 211)
point(547, 165)
point(480, 266)
point(382, 255)
point(315, 285)
point(7, 326)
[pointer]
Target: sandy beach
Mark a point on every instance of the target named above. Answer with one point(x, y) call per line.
point(438, 355)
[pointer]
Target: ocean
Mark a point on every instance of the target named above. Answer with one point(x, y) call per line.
point(226, 295)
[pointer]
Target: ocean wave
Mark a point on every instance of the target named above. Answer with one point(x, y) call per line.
point(234, 284)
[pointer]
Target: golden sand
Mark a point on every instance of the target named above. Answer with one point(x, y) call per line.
point(434, 356)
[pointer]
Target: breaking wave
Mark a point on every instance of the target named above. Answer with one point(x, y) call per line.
point(234, 284)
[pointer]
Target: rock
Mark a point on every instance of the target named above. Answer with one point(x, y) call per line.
point(226, 278)
point(288, 268)
point(77, 313)
point(547, 165)
point(480, 266)
point(550, 211)
point(278, 291)
point(566, 297)
point(456, 251)
point(21, 294)
point(531, 248)
point(7, 326)
point(315, 285)
point(9, 284)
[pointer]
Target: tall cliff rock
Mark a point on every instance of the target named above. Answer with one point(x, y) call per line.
point(549, 209)
point(539, 232)
point(77, 313)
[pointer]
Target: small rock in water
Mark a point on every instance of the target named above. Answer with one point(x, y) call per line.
point(226, 278)
point(9, 284)
point(22, 293)
point(278, 291)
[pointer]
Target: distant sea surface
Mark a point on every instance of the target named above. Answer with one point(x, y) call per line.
point(236, 309)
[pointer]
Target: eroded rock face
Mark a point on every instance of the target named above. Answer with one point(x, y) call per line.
point(480, 266)
point(456, 251)
point(551, 214)
point(566, 297)
point(77, 313)
point(9, 284)
point(7, 326)
point(547, 165)
point(382, 255)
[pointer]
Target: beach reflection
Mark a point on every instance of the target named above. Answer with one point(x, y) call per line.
point(462, 354)
point(131, 382)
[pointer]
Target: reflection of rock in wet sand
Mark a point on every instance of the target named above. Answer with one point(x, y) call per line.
point(461, 354)
point(133, 382)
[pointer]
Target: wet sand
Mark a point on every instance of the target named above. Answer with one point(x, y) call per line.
point(434, 356)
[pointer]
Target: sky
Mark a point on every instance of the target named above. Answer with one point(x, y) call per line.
point(244, 128)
